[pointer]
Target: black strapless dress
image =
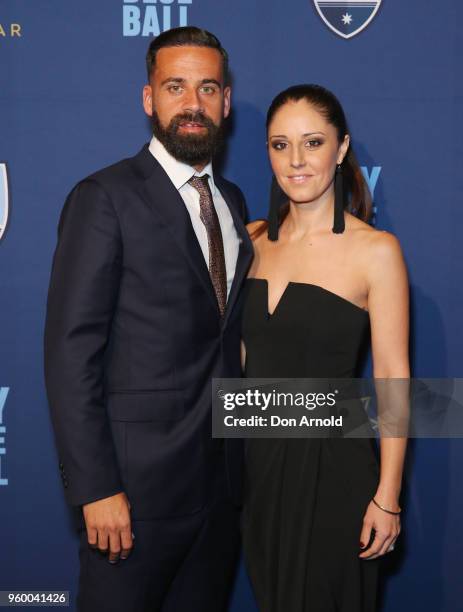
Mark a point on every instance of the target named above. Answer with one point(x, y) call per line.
point(305, 498)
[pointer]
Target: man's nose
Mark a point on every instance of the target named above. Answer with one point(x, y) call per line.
point(193, 101)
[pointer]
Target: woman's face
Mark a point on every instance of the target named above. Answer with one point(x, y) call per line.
point(304, 150)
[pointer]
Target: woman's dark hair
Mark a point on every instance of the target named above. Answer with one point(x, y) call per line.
point(357, 196)
point(187, 36)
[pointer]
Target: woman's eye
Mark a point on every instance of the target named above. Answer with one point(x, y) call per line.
point(313, 144)
point(279, 146)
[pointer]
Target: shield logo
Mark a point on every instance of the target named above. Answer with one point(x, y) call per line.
point(347, 18)
point(3, 198)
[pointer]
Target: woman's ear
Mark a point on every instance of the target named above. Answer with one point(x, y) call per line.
point(343, 148)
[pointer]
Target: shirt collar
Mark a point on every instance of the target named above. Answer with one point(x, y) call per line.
point(178, 172)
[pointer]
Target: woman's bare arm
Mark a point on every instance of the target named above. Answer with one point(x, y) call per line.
point(388, 305)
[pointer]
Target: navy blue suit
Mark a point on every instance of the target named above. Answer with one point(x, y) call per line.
point(133, 337)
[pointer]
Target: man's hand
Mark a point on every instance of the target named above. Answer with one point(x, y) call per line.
point(109, 527)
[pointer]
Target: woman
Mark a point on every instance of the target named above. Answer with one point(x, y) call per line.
point(319, 513)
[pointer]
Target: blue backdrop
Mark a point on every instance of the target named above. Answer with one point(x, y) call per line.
point(71, 75)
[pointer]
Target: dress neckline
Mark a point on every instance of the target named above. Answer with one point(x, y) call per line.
point(327, 291)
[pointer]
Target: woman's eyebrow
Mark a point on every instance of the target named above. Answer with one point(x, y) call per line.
point(303, 135)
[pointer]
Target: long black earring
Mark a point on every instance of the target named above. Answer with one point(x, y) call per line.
point(277, 198)
point(338, 225)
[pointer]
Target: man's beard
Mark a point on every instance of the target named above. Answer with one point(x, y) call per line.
point(191, 149)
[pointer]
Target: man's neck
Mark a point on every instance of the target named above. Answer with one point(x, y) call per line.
point(201, 166)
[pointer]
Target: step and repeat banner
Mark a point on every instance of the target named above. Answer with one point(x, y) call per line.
point(71, 75)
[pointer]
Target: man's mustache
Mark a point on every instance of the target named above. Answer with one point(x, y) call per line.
point(198, 118)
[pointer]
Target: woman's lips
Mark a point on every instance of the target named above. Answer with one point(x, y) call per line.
point(300, 178)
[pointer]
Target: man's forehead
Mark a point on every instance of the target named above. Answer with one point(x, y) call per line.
point(189, 58)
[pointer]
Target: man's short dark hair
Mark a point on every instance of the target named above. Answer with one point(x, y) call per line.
point(183, 37)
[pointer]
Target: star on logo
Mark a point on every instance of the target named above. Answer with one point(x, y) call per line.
point(347, 19)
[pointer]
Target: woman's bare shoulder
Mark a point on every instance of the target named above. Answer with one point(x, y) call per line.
point(377, 251)
point(253, 228)
point(382, 244)
point(373, 239)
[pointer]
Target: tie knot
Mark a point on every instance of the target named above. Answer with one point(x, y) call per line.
point(200, 183)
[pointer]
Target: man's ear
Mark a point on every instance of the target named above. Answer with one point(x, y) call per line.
point(148, 100)
point(226, 101)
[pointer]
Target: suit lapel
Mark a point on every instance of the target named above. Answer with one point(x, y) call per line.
point(246, 250)
point(165, 201)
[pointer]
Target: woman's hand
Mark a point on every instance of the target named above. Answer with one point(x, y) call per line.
point(386, 526)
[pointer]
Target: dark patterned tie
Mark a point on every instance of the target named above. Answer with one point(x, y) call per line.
point(208, 216)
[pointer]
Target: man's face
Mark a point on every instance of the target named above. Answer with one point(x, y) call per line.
point(187, 102)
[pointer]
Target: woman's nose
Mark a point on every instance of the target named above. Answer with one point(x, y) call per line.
point(297, 158)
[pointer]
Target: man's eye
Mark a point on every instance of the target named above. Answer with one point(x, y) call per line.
point(279, 146)
point(207, 89)
point(174, 88)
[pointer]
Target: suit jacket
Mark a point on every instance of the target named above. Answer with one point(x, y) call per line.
point(133, 337)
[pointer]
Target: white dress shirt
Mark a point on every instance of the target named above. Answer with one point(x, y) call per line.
point(180, 173)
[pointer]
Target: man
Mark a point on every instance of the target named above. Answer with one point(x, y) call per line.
point(143, 311)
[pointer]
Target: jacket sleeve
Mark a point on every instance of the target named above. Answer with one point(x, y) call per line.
point(81, 302)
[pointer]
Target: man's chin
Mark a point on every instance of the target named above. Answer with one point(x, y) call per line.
point(190, 146)
point(187, 151)
point(185, 135)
